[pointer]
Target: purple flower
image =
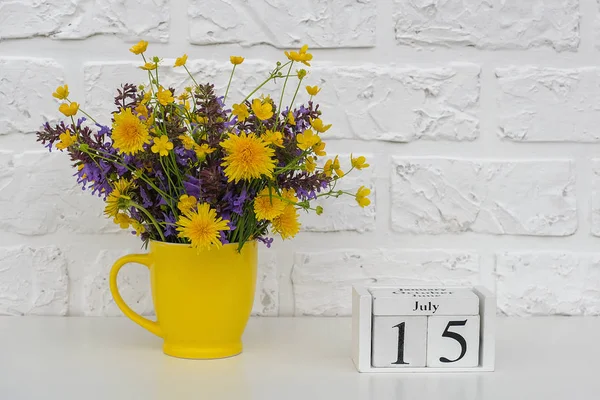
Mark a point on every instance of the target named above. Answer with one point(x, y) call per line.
point(192, 186)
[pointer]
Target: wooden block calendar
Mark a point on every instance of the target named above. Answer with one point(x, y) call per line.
point(423, 329)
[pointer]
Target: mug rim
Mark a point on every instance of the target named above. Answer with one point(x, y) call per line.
point(161, 243)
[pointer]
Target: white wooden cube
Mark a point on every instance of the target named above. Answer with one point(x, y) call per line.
point(376, 347)
point(453, 341)
point(399, 341)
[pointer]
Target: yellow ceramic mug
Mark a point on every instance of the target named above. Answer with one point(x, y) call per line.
point(202, 299)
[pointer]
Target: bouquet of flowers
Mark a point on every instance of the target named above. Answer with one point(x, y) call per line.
point(186, 168)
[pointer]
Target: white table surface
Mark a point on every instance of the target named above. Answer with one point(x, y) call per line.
point(284, 359)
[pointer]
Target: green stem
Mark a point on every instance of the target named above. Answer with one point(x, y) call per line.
point(229, 84)
point(150, 217)
point(295, 94)
point(191, 76)
point(272, 76)
point(278, 111)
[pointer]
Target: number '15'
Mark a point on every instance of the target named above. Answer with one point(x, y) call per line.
point(447, 333)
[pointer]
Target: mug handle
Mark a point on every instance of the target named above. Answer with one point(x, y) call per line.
point(144, 259)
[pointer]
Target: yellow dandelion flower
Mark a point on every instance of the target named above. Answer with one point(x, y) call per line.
point(307, 139)
point(162, 145)
point(274, 138)
point(319, 149)
point(287, 224)
point(359, 162)
point(202, 227)
point(187, 141)
point(290, 118)
point(183, 96)
point(241, 111)
point(289, 194)
point(262, 110)
point(66, 140)
point(268, 205)
point(119, 198)
point(149, 66)
point(236, 60)
point(247, 157)
point(164, 96)
point(301, 56)
point(318, 125)
point(310, 164)
point(313, 90)
point(180, 61)
point(122, 220)
point(139, 48)
point(129, 134)
point(69, 109)
point(186, 203)
point(361, 196)
point(62, 92)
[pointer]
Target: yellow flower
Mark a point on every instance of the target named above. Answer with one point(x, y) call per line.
point(287, 224)
point(310, 164)
point(139, 228)
point(302, 56)
point(142, 110)
point(69, 109)
point(359, 162)
point(180, 61)
point(268, 205)
point(147, 97)
point(301, 73)
point(139, 48)
point(162, 146)
point(319, 149)
point(201, 120)
point(307, 139)
point(118, 198)
point(62, 92)
point(122, 220)
point(274, 138)
point(183, 96)
point(313, 90)
point(66, 140)
point(333, 165)
point(202, 150)
point(336, 167)
point(241, 111)
point(361, 196)
point(290, 118)
point(149, 66)
point(164, 97)
point(129, 134)
point(247, 157)
point(186, 203)
point(236, 60)
point(262, 110)
point(188, 142)
point(318, 125)
point(202, 227)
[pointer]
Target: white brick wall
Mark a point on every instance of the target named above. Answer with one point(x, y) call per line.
point(481, 121)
